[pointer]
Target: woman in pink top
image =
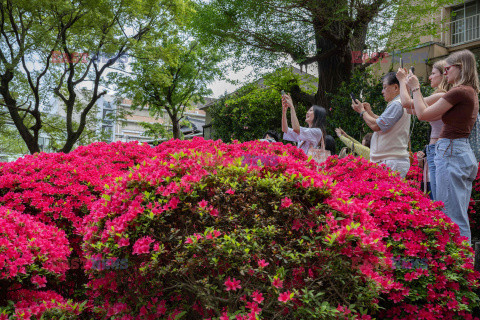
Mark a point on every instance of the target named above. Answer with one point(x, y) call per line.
point(454, 159)
point(439, 82)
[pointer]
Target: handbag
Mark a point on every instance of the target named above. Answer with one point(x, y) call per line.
point(474, 139)
point(347, 151)
point(319, 154)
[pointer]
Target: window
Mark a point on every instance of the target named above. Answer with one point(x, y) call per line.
point(107, 132)
point(465, 25)
point(108, 116)
point(44, 144)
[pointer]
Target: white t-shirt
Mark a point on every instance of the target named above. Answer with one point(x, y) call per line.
point(308, 137)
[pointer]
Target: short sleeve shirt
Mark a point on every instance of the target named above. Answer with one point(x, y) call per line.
point(459, 119)
point(308, 137)
point(390, 116)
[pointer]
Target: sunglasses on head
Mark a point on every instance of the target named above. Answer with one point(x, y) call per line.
point(448, 68)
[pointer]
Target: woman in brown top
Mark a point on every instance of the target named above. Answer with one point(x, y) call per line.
point(456, 167)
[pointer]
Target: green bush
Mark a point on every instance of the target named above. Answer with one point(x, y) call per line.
point(256, 107)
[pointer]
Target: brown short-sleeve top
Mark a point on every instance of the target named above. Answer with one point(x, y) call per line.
point(459, 120)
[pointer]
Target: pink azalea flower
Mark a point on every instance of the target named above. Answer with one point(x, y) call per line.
point(285, 296)
point(232, 284)
point(286, 202)
point(203, 203)
point(257, 296)
point(224, 316)
point(214, 212)
point(254, 307)
point(40, 281)
point(123, 242)
point(142, 245)
point(262, 263)
point(230, 191)
point(277, 283)
point(173, 203)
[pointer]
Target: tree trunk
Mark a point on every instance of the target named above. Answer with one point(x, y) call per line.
point(332, 70)
point(175, 126)
point(31, 141)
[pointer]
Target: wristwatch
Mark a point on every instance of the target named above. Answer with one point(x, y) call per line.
point(361, 113)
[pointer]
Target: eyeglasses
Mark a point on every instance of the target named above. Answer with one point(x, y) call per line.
point(448, 68)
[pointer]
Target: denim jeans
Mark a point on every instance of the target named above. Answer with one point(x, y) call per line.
point(456, 169)
point(431, 170)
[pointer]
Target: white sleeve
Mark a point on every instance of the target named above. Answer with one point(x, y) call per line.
point(314, 135)
point(290, 135)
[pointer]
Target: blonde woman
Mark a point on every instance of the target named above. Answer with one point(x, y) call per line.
point(438, 81)
point(456, 167)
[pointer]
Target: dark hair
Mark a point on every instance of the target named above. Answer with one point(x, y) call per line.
point(391, 78)
point(368, 139)
point(319, 118)
point(330, 144)
point(272, 134)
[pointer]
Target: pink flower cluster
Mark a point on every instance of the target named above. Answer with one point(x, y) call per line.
point(29, 248)
point(32, 303)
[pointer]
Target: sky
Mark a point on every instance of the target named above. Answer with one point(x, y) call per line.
point(221, 87)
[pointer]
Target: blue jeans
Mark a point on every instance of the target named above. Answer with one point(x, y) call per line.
point(431, 170)
point(456, 169)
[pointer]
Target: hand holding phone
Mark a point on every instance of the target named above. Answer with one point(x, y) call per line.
point(353, 97)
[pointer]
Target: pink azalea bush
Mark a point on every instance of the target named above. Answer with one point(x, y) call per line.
point(32, 254)
point(434, 277)
point(210, 237)
point(202, 229)
point(207, 232)
point(474, 209)
point(60, 189)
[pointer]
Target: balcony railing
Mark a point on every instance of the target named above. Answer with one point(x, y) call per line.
point(463, 30)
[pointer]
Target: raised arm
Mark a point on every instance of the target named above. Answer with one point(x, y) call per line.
point(293, 114)
point(284, 116)
point(369, 118)
point(422, 110)
point(405, 98)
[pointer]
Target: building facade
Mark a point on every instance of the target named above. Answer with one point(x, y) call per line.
point(459, 26)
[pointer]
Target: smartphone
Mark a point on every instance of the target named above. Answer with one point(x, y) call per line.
point(401, 62)
point(353, 97)
point(412, 68)
point(282, 93)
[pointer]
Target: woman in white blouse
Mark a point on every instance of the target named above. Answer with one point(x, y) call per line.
point(305, 137)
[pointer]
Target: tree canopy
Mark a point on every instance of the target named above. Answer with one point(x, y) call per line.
point(169, 74)
point(50, 49)
point(319, 32)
